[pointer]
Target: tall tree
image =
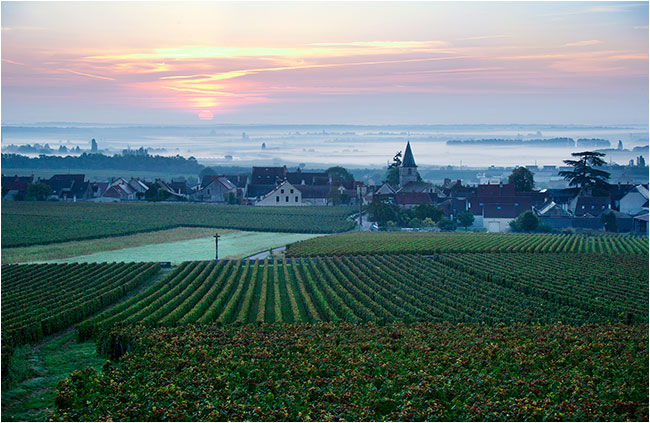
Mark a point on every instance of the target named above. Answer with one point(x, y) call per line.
point(584, 177)
point(522, 179)
point(340, 175)
point(392, 173)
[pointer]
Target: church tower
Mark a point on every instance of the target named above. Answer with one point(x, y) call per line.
point(408, 171)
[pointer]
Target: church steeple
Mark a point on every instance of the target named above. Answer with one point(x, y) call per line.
point(408, 171)
point(408, 157)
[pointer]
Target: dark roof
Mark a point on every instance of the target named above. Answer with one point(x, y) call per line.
point(409, 198)
point(503, 211)
point(593, 206)
point(73, 185)
point(477, 205)
point(408, 160)
point(14, 185)
point(416, 186)
point(239, 181)
point(180, 186)
point(618, 191)
point(259, 190)
point(494, 190)
point(309, 178)
point(313, 191)
point(16, 178)
point(268, 175)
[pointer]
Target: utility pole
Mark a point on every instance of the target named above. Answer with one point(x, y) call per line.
point(216, 246)
point(360, 201)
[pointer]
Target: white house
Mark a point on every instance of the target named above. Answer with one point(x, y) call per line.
point(284, 194)
point(633, 202)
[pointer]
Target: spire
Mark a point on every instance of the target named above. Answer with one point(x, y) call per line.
point(408, 160)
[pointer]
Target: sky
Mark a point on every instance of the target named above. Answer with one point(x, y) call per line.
point(330, 62)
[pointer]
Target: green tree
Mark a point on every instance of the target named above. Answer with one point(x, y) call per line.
point(522, 179)
point(422, 211)
point(392, 174)
point(155, 193)
point(447, 225)
point(526, 222)
point(609, 221)
point(415, 223)
point(38, 191)
point(428, 223)
point(465, 219)
point(340, 175)
point(584, 177)
point(208, 171)
point(382, 211)
point(334, 196)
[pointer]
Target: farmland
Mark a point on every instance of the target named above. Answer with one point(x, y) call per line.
point(390, 288)
point(29, 223)
point(396, 372)
point(430, 243)
point(38, 300)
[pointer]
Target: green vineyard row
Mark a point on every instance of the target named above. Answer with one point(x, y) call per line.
point(408, 288)
point(41, 299)
point(28, 223)
point(358, 243)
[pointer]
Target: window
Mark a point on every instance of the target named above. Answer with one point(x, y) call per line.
point(583, 207)
point(593, 207)
point(516, 204)
point(291, 191)
point(480, 204)
point(296, 198)
point(498, 207)
point(277, 198)
point(410, 170)
point(286, 199)
point(282, 191)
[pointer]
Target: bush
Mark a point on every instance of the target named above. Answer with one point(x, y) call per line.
point(447, 225)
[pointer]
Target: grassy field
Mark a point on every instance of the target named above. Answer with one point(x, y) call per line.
point(356, 243)
point(37, 253)
point(36, 370)
point(232, 244)
point(30, 223)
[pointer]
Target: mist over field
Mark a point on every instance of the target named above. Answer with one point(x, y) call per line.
point(323, 145)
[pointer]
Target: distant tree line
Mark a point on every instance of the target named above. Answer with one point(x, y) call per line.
point(174, 164)
point(551, 142)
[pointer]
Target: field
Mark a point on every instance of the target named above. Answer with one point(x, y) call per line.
point(328, 372)
point(63, 250)
point(429, 327)
point(38, 300)
point(455, 288)
point(29, 223)
point(354, 243)
point(232, 244)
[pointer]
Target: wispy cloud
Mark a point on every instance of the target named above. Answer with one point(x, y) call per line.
point(485, 37)
point(583, 43)
point(12, 62)
point(640, 27)
point(89, 75)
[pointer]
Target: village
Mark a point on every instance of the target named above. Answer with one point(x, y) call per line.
point(405, 200)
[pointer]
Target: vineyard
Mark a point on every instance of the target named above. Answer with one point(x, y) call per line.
point(366, 372)
point(41, 299)
point(356, 243)
point(29, 223)
point(458, 288)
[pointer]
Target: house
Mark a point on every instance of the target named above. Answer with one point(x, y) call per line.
point(588, 206)
point(14, 185)
point(121, 190)
point(216, 189)
point(314, 195)
point(69, 187)
point(264, 180)
point(495, 206)
point(285, 194)
point(635, 200)
point(418, 186)
point(408, 200)
point(641, 224)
